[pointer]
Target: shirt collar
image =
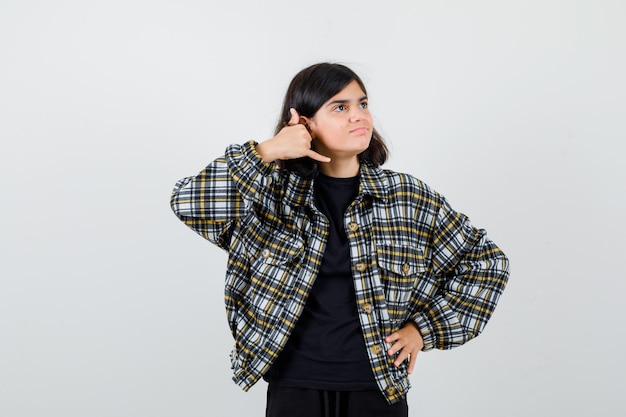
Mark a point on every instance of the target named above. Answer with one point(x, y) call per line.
point(374, 182)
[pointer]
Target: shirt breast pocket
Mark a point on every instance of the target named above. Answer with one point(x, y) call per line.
point(402, 271)
point(274, 256)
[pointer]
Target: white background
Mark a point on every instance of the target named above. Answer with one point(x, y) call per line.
point(514, 110)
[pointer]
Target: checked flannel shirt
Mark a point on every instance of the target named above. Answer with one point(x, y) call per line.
point(413, 257)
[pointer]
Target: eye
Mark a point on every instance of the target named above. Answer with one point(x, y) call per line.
point(340, 107)
point(364, 105)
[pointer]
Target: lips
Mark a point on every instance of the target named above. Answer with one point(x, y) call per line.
point(362, 129)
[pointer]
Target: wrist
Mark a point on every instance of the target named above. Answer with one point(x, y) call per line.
point(264, 149)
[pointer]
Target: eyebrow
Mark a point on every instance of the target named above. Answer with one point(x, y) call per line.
point(345, 101)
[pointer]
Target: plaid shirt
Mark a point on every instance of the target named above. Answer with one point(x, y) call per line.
point(413, 257)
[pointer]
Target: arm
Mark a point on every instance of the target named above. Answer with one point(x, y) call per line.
point(213, 200)
point(472, 273)
point(226, 189)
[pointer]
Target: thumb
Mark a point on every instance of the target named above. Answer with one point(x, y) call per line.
point(295, 117)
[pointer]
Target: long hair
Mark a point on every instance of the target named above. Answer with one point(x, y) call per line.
point(307, 92)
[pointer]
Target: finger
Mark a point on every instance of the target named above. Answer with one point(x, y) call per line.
point(402, 356)
point(397, 347)
point(392, 337)
point(412, 362)
point(318, 157)
point(295, 117)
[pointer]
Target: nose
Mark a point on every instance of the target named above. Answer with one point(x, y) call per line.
point(356, 113)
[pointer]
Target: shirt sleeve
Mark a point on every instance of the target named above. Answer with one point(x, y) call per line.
point(211, 202)
point(472, 273)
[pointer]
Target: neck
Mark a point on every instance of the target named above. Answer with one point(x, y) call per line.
point(340, 168)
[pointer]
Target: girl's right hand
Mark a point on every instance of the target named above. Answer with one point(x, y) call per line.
point(292, 142)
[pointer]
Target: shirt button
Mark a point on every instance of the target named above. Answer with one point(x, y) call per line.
point(360, 267)
point(265, 253)
point(391, 391)
point(406, 268)
point(366, 308)
point(353, 227)
point(376, 349)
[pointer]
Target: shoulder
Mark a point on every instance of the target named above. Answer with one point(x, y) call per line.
point(406, 186)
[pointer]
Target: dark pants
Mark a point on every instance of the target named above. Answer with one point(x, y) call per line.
point(299, 402)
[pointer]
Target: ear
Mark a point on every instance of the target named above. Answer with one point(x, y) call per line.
point(305, 120)
point(309, 123)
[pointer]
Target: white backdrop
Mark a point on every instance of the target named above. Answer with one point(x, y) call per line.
point(514, 110)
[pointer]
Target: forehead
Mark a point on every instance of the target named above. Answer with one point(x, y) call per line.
point(352, 91)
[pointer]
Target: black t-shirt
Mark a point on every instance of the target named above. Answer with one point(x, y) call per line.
point(326, 349)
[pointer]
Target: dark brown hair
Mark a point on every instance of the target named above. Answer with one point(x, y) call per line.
point(307, 92)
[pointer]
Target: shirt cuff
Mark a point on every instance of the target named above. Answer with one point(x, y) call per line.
point(426, 330)
point(254, 158)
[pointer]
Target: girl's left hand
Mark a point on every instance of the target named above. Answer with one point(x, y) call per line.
point(408, 341)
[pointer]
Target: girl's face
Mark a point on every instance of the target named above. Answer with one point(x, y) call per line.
point(342, 127)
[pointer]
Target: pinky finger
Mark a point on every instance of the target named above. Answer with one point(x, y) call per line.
point(318, 157)
point(412, 360)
